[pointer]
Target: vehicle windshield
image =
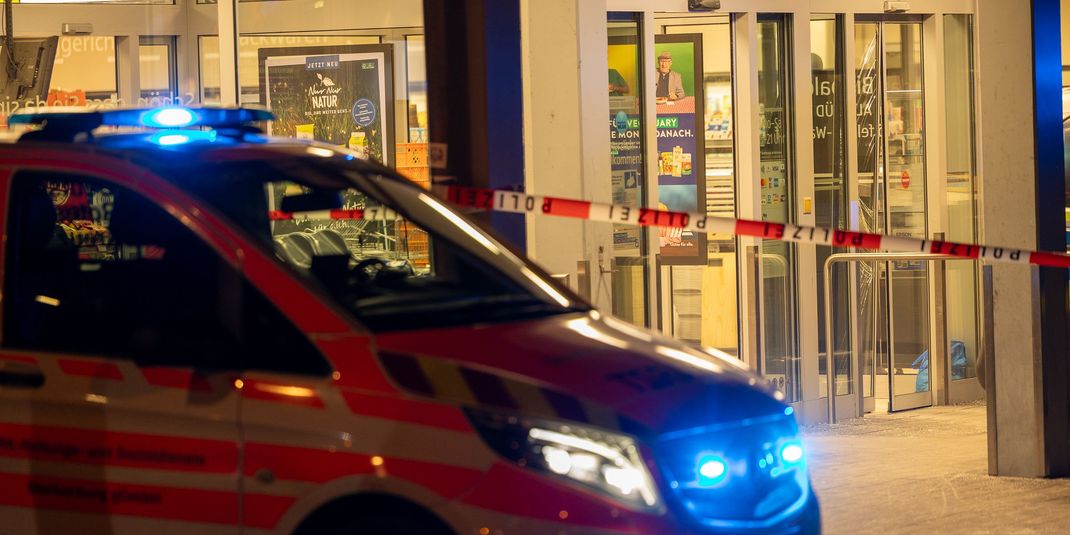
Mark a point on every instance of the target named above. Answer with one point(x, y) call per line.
point(390, 253)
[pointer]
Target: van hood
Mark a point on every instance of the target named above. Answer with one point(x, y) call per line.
point(586, 367)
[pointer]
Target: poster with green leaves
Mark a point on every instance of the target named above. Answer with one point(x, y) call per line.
point(340, 95)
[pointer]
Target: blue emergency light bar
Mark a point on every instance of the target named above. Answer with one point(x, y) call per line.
point(171, 117)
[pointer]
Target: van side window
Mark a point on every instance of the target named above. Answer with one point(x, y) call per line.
point(95, 269)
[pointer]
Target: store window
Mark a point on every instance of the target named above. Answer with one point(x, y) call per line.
point(416, 78)
point(162, 2)
point(85, 70)
point(961, 186)
point(871, 321)
point(333, 71)
point(158, 73)
point(777, 177)
point(894, 325)
point(248, 59)
point(626, 87)
point(704, 298)
point(96, 269)
point(66, 55)
point(830, 189)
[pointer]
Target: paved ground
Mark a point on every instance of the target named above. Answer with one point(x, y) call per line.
point(925, 471)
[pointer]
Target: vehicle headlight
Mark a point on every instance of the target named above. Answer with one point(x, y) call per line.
point(606, 462)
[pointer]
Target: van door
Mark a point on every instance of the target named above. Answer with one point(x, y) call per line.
point(118, 364)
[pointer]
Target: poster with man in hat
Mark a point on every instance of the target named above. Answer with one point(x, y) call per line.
point(670, 84)
point(681, 183)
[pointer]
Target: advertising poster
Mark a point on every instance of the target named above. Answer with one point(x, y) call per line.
point(625, 139)
point(335, 94)
point(681, 142)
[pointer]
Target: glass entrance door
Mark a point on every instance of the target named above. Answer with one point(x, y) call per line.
point(893, 297)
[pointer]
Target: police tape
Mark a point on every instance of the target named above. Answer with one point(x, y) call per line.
point(524, 203)
point(371, 213)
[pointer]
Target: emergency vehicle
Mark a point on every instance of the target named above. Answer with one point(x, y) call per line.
point(208, 330)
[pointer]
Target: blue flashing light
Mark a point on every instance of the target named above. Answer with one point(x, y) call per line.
point(171, 117)
point(168, 138)
point(791, 453)
point(174, 117)
point(788, 411)
point(172, 139)
point(168, 118)
point(712, 470)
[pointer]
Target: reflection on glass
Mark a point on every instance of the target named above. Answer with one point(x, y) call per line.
point(777, 192)
point(962, 314)
point(248, 59)
point(158, 72)
point(625, 92)
point(894, 296)
point(86, 64)
point(704, 298)
point(906, 212)
point(417, 88)
point(870, 184)
point(830, 187)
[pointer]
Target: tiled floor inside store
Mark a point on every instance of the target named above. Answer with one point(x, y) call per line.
point(925, 471)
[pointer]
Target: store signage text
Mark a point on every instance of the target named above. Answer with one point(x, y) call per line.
point(319, 63)
point(8, 106)
point(325, 94)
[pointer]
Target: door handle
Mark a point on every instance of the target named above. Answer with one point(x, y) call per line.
point(19, 375)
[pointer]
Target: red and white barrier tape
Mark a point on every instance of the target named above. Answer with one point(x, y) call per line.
point(373, 213)
point(523, 203)
point(515, 202)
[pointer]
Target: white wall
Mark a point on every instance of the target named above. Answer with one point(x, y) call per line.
point(566, 134)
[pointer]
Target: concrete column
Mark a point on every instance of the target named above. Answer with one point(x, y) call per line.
point(566, 132)
point(1008, 205)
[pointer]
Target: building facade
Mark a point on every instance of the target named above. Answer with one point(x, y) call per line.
point(910, 119)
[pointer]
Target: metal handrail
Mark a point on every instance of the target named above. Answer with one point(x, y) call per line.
point(830, 383)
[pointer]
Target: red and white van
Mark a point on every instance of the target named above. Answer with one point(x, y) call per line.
point(205, 330)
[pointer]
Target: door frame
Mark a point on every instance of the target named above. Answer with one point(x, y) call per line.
point(813, 406)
